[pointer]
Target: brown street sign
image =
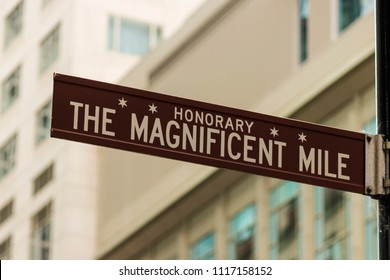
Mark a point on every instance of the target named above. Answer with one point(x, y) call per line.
point(151, 123)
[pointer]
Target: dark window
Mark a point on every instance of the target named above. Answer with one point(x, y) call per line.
point(303, 28)
point(43, 179)
point(13, 23)
point(6, 212)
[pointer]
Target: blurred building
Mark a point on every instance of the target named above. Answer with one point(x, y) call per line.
point(306, 59)
point(48, 188)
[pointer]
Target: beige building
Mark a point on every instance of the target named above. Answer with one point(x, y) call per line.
point(48, 187)
point(311, 60)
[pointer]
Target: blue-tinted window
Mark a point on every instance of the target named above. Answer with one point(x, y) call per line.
point(241, 234)
point(350, 10)
point(14, 24)
point(132, 37)
point(203, 249)
point(303, 28)
point(284, 221)
point(333, 223)
point(41, 234)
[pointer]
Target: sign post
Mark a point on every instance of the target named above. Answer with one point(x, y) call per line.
point(382, 57)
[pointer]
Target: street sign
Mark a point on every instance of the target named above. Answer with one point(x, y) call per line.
point(151, 123)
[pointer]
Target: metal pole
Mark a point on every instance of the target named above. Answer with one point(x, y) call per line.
point(382, 60)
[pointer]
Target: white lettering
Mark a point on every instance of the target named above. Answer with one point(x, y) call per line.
point(229, 145)
point(248, 147)
point(93, 118)
point(263, 150)
point(157, 132)
point(178, 113)
point(136, 128)
point(308, 162)
point(106, 120)
point(280, 152)
point(326, 162)
point(175, 137)
point(191, 138)
point(342, 165)
point(210, 140)
point(76, 106)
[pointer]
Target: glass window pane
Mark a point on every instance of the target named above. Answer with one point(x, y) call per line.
point(50, 48)
point(40, 236)
point(43, 123)
point(134, 38)
point(241, 234)
point(303, 27)
point(11, 89)
point(5, 249)
point(284, 221)
point(350, 10)
point(13, 23)
point(203, 249)
point(332, 226)
point(111, 30)
point(7, 157)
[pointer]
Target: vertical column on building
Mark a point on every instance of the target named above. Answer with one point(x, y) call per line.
point(220, 217)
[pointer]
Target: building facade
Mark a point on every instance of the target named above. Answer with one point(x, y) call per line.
point(303, 59)
point(48, 188)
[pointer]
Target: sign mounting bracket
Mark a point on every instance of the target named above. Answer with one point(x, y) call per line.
point(377, 182)
point(386, 148)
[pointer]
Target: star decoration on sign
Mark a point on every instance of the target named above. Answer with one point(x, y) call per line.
point(122, 102)
point(274, 132)
point(302, 137)
point(153, 108)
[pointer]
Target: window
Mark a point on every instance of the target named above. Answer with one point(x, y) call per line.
point(303, 22)
point(43, 179)
point(13, 24)
point(203, 249)
point(11, 89)
point(50, 48)
point(6, 212)
point(242, 234)
point(332, 225)
point(371, 212)
point(350, 10)
point(284, 219)
point(40, 237)
point(7, 157)
point(132, 37)
point(5, 249)
point(43, 123)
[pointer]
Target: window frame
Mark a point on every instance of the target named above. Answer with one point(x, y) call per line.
point(5, 248)
point(281, 196)
point(364, 7)
point(13, 24)
point(199, 244)
point(114, 35)
point(41, 233)
point(42, 132)
point(9, 147)
point(6, 211)
point(343, 237)
point(44, 178)
point(250, 228)
point(10, 84)
point(50, 48)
